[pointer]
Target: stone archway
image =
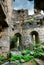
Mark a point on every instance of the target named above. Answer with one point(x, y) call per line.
point(35, 36)
point(15, 41)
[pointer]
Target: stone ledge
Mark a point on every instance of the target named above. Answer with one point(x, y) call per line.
point(39, 62)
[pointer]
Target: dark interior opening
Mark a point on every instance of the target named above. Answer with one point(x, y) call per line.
point(39, 4)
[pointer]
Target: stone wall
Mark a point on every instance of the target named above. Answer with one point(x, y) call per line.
point(7, 8)
point(27, 35)
point(27, 27)
point(5, 35)
point(19, 15)
point(4, 41)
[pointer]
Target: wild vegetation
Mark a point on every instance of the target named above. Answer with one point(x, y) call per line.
point(26, 54)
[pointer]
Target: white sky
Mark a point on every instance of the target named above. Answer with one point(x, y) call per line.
point(24, 4)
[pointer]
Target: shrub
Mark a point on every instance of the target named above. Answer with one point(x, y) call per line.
point(21, 64)
point(19, 57)
point(16, 57)
point(37, 54)
point(27, 58)
point(12, 59)
point(41, 50)
point(18, 64)
point(42, 43)
point(36, 45)
point(2, 58)
point(24, 52)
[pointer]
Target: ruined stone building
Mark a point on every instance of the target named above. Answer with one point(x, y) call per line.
point(30, 28)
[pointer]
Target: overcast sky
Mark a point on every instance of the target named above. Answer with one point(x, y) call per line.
point(24, 4)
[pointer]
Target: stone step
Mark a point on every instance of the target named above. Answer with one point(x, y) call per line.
point(39, 62)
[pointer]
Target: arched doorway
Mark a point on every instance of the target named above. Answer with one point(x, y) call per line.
point(35, 37)
point(15, 42)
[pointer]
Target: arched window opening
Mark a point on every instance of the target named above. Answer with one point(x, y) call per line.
point(35, 37)
point(15, 42)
